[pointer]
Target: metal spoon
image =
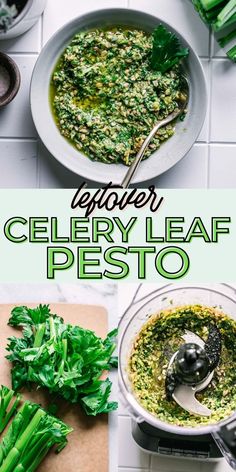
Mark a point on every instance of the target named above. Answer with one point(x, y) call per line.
point(182, 105)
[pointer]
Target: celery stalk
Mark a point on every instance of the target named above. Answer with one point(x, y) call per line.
point(232, 54)
point(227, 11)
point(226, 39)
point(10, 461)
point(208, 4)
point(7, 407)
point(30, 437)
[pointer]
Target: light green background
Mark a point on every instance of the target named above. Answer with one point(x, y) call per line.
point(209, 262)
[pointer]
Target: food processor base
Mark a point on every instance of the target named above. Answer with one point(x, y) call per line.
point(167, 444)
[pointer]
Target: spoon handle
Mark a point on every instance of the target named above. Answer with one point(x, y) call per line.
point(132, 169)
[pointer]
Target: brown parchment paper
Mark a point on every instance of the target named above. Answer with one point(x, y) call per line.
point(87, 449)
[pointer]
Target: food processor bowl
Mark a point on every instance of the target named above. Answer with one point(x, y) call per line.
point(220, 296)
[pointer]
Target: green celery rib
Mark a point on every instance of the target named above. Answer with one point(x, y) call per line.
point(37, 343)
point(11, 461)
point(218, 26)
point(35, 454)
point(15, 430)
point(12, 458)
point(226, 15)
point(7, 408)
point(232, 54)
point(226, 39)
point(30, 437)
point(52, 328)
point(37, 461)
point(22, 442)
point(39, 335)
point(209, 4)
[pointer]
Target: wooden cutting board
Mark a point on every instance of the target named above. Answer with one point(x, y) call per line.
point(87, 450)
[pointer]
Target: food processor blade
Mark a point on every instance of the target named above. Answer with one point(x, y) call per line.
point(190, 337)
point(184, 395)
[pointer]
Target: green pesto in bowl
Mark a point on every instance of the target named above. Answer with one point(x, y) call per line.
point(153, 348)
point(106, 98)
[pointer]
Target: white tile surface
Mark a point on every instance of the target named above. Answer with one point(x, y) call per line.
point(29, 42)
point(18, 160)
point(223, 109)
point(195, 170)
point(52, 22)
point(165, 464)
point(130, 455)
point(159, 464)
point(190, 172)
point(222, 166)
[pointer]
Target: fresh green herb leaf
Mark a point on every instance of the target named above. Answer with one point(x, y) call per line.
point(97, 401)
point(67, 360)
point(114, 362)
point(166, 50)
point(21, 315)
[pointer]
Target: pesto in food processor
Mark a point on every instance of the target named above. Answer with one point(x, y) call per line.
point(155, 345)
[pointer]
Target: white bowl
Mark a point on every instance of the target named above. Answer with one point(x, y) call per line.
point(160, 161)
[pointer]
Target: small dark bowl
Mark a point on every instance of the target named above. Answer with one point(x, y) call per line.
point(15, 79)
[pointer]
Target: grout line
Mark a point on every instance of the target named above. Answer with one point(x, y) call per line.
point(20, 139)
point(210, 110)
point(131, 467)
point(41, 31)
point(22, 54)
point(37, 166)
point(222, 143)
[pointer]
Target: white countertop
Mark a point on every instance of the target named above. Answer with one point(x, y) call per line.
point(104, 294)
point(131, 457)
point(210, 164)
